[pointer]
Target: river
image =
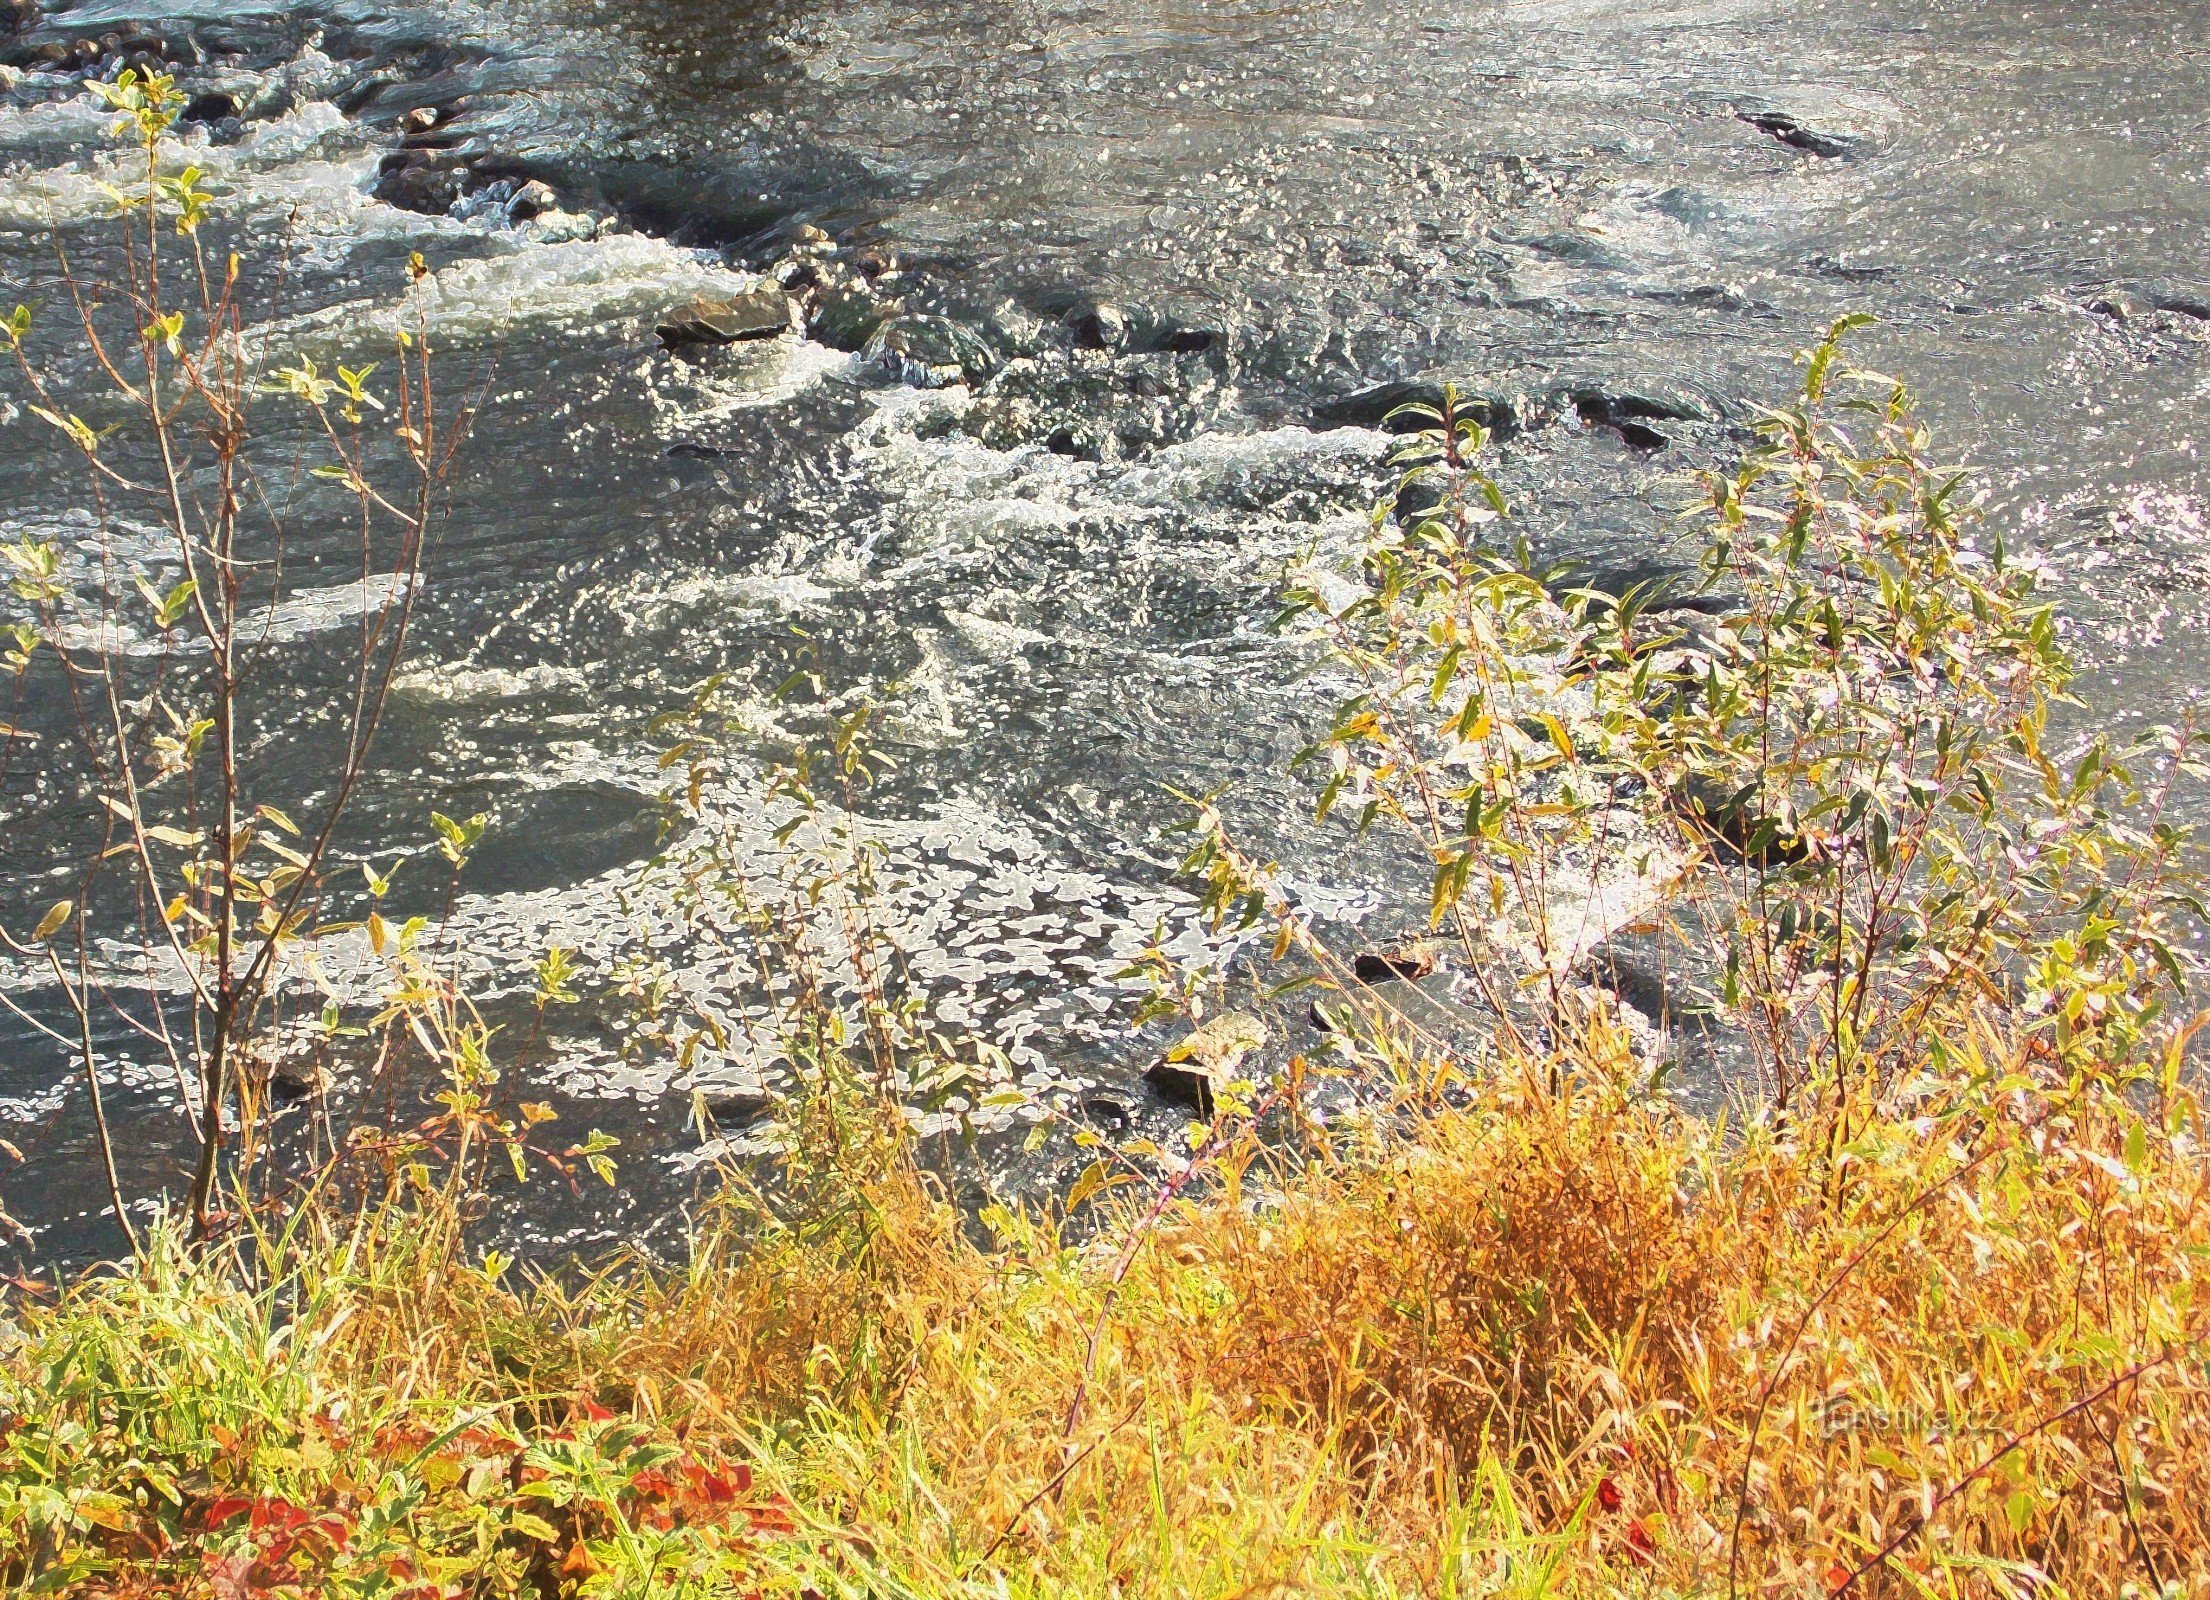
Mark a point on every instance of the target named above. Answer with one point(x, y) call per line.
point(1067, 571)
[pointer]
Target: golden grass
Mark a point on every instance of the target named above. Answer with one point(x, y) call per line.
point(1525, 1347)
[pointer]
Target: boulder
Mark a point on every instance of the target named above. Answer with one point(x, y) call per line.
point(931, 352)
point(412, 182)
point(1193, 1072)
point(1372, 408)
point(532, 199)
point(755, 314)
point(1797, 136)
point(1405, 963)
point(846, 315)
point(213, 106)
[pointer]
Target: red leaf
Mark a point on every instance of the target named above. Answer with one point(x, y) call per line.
point(592, 1411)
point(1608, 1495)
point(273, 1511)
point(717, 1488)
point(1639, 1543)
point(223, 1507)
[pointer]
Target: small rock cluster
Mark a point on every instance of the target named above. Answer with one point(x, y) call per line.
point(100, 55)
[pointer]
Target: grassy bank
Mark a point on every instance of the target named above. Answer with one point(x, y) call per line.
point(1552, 1342)
point(1921, 1320)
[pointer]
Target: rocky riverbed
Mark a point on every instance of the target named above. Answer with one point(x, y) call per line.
point(1006, 352)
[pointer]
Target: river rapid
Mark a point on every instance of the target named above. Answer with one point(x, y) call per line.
point(1173, 249)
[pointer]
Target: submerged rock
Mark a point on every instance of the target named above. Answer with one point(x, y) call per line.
point(412, 181)
point(1372, 408)
point(532, 199)
point(1780, 125)
point(1405, 963)
point(213, 106)
point(931, 352)
point(1612, 402)
point(757, 314)
point(845, 315)
point(1193, 1072)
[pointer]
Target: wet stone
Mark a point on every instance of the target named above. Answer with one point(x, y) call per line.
point(532, 199)
point(1383, 966)
point(846, 315)
point(758, 314)
point(1780, 125)
point(213, 106)
point(931, 352)
point(1374, 408)
point(413, 184)
point(1193, 1073)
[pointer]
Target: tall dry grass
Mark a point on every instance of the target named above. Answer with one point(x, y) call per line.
point(1549, 1341)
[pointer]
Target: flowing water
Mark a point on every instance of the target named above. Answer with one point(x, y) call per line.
point(1066, 570)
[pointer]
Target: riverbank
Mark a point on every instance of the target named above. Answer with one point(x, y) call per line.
point(1553, 1342)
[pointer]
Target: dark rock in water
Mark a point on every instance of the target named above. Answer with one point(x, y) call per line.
point(758, 314)
point(846, 315)
point(1417, 500)
point(532, 199)
point(291, 1086)
point(1193, 1072)
point(1611, 403)
point(735, 1108)
point(1371, 408)
point(1114, 1116)
point(1780, 125)
point(1135, 330)
point(1384, 966)
point(422, 119)
point(1098, 324)
point(213, 106)
point(51, 55)
point(17, 15)
point(413, 182)
point(2123, 302)
point(931, 352)
point(2120, 305)
point(1736, 825)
